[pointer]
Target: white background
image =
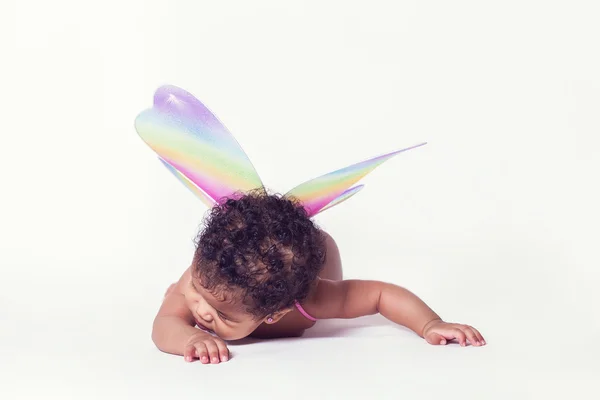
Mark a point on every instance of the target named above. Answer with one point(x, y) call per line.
point(493, 223)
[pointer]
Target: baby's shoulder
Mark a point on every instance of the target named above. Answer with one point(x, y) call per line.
point(183, 282)
point(326, 299)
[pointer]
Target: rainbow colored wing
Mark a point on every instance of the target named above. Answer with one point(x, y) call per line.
point(333, 188)
point(189, 184)
point(196, 146)
point(343, 197)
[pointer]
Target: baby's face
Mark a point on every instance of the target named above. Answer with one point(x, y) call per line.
point(224, 318)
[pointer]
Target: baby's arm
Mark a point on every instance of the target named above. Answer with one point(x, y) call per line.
point(356, 298)
point(174, 323)
point(174, 330)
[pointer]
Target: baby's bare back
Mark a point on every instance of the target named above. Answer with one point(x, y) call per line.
point(294, 324)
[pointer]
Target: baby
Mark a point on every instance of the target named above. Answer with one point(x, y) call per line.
point(263, 269)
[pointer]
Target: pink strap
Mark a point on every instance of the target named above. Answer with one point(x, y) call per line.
point(299, 307)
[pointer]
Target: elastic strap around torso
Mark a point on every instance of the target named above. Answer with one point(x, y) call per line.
point(303, 312)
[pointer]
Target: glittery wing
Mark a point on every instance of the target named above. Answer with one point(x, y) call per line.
point(189, 184)
point(343, 197)
point(195, 146)
point(333, 188)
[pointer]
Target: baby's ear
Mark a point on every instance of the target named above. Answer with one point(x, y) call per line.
point(273, 318)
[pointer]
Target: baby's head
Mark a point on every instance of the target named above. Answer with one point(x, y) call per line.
point(255, 256)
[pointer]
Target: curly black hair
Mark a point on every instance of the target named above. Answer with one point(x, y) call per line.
point(264, 247)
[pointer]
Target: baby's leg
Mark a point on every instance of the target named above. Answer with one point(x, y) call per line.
point(332, 269)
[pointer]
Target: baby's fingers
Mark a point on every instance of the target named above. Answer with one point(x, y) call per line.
point(460, 336)
point(189, 353)
point(478, 335)
point(213, 351)
point(223, 350)
point(471, 336)
point(202, 352)
point(435, 339)
point(195, 350)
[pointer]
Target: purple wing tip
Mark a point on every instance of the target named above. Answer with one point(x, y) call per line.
point(173, 100)
point(166, 92)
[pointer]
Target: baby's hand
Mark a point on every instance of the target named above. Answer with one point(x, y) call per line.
point(439, 332)
point(206, 348)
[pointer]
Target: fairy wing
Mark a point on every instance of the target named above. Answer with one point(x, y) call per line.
point(209, 202)
point(343, 197)
point(331, 189)
point(195, 146)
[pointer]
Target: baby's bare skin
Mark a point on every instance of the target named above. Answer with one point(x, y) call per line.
point(294, 324)
point(187, 305)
